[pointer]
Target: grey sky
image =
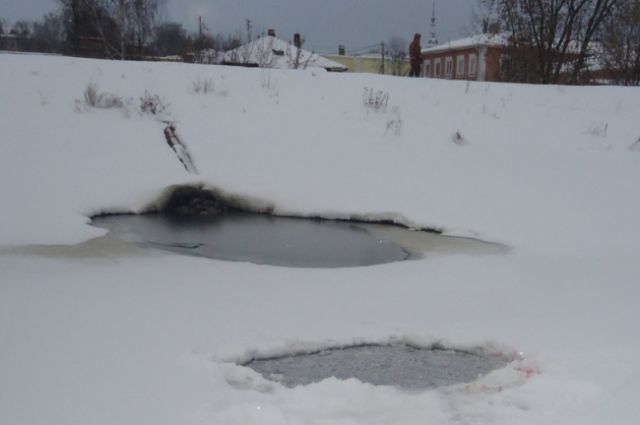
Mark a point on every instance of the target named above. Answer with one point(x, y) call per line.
point(324, 23)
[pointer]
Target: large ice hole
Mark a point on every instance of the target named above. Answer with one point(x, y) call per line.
point(199, 222)
point(400, 365)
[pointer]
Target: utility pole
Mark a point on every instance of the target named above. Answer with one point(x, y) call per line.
point(249, 35)
point(382, 54)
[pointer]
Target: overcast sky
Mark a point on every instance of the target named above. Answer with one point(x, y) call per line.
point(323, 23)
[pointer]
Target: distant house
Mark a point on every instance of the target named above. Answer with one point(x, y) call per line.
point(372, 63)
point(271, 52)
point(10, 39)
point(475, 58)
point(8, 42)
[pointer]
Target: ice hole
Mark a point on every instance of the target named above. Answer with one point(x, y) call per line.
point(198, 222)
point(400, 365)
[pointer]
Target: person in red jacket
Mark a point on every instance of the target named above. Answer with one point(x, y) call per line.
point(415, 54)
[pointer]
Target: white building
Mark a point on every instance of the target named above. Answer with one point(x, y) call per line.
point(272, 52)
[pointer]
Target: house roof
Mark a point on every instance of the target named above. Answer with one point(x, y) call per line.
point(469, 42)
point(272, 52)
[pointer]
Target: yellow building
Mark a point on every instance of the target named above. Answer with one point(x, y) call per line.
point(372, 63)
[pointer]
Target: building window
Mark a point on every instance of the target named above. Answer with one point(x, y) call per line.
point(473, 64)
point(460, 66)
point(437, 68)
point(448, 66)
point(427, 68)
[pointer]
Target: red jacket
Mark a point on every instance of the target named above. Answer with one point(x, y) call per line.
point(415, 51)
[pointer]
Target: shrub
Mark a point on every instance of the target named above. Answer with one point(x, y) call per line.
point(204, 86)
point(95, 99)
point(394, 126)
point(375, 99)
point(152, 104)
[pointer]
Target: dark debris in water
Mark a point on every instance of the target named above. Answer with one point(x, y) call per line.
point(192, 201)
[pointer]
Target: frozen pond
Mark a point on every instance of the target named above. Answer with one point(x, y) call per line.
point(259, 238)
point(398, 365)
point(284, 241)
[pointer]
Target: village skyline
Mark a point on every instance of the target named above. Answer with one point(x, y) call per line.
point(357, 25)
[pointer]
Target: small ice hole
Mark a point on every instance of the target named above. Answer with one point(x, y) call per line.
point(399, 365)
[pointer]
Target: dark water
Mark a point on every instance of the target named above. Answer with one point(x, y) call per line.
point(261, 239)
point(396, 365)
point(285, 241)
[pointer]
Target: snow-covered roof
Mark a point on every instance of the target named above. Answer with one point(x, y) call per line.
point(377, 56)
point(7, 31)
point(272, 52)
point(467, 42)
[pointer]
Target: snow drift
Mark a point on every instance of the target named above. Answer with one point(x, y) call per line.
point(127, 336)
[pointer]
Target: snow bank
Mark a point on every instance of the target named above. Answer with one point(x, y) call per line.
point(542, 164)
point(105, 333)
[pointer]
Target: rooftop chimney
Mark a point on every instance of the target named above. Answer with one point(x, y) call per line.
point(271, 32)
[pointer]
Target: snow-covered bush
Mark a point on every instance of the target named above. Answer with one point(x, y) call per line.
point(152, 104)
point(94, 99)
point(375, 99)
point(203, 86)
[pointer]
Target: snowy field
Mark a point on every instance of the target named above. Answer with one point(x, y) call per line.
point(96, 331)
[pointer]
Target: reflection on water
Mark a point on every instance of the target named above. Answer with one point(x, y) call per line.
point(260, 239)
point(284, 241)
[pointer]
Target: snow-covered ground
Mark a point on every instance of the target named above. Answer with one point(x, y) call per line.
point(95, 331)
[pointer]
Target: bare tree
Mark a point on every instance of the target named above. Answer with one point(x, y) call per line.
point(143, 18)
point(397, 52)
point(548, 40)
point(89, 28)
point(170, 39)
point(48, 34)
point(590, 22)
point(23, 32)
point(296, 54)
point(224, 42)
point(202, 44)
point(260, 52)
point(123, 27)
point(22, 29)
point(621, 44)
point(108, 28)
point(136, 20)
point(263, 51)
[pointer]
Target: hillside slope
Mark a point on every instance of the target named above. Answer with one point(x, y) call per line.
point(97, 331)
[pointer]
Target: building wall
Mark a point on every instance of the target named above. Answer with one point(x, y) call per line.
point(486, 67)
point(370, 65)
point(492, 63)
point(8, 42)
